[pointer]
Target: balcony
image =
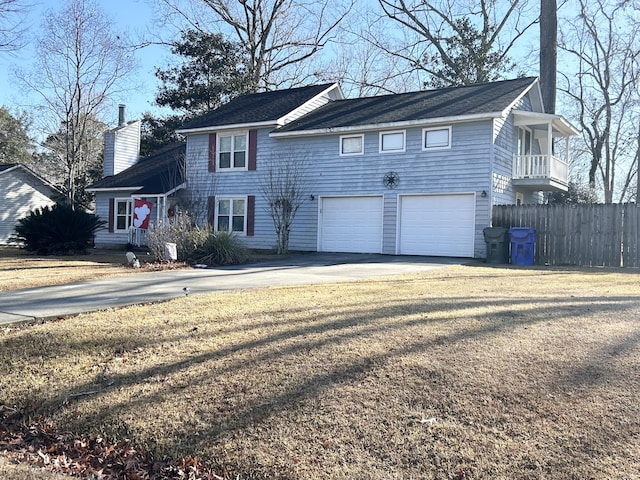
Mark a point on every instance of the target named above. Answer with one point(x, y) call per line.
point(540, 172)
point(539, 136)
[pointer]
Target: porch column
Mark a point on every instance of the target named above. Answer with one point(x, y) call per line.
point(549, 148)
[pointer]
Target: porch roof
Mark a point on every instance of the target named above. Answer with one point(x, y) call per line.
point(560, 124)
point(158, 174)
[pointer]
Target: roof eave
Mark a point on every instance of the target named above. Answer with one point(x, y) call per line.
point(112, 189)
point(335, 86)
point(523, 93)
point(388, 125)
point(28, 171)
point(234, 126)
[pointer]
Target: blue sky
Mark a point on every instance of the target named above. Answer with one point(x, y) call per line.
point(132, 16)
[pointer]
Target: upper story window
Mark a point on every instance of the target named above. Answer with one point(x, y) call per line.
point(231, 215)
point(436, 138)
point(352, 145)
point(232, 151)
point(392, 142)
point(123, 214)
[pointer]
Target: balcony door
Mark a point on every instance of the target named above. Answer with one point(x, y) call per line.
point(524, 141)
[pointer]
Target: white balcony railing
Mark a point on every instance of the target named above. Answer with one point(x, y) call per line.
point(543, 167)
point(137, 236)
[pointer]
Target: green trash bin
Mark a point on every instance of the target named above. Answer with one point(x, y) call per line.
point(497, 240)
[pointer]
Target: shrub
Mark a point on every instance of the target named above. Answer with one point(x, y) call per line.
point(58, 230)
point(179, 230)
point(221, 248)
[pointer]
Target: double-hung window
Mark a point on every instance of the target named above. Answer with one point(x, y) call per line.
point(391, 142)
point(231, 215)
point(436, 138)
point(352, 145)
point(232, 151)
point(123, 214)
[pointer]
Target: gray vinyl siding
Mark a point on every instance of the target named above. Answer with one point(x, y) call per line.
point(461, 169)
point(103, 236)
point(21, 193)
point(121, 148)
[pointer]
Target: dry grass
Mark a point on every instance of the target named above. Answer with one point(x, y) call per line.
point(10, 471)
point(21, 269)
point(503, 373)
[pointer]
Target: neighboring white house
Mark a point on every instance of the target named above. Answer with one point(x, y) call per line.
point(406, 174)
point(21, 191)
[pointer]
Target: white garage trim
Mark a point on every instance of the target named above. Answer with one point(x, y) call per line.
point(441, 225)
point(350, 224)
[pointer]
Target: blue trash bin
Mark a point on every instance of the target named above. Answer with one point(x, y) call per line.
point(522, 245)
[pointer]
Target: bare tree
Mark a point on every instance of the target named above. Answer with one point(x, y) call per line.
point(603, 43)
point(80, 62)
point(284, 189)
point(279, 36)
point(12, 28)
point(457, 43)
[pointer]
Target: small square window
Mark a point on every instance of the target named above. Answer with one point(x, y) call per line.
point(123, 214)
point(231, 215)
point(392, 142)
point(352, 145)
point(232, 152)
point(436, 138)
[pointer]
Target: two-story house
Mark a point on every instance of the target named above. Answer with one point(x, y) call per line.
point(407, 174)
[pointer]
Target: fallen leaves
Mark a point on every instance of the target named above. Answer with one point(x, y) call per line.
point(41, 445)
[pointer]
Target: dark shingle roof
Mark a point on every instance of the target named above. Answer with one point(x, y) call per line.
point(6, 166)
point(429, 104)
point(257, 107)
point(155, 174)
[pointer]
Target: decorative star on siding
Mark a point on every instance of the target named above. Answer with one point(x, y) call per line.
point(391, 180)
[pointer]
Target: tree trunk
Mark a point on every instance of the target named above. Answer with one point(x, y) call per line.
point(548, 53)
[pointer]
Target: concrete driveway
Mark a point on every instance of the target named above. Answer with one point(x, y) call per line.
point(74, 298)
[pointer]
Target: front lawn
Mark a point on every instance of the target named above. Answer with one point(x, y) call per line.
point(499, 373)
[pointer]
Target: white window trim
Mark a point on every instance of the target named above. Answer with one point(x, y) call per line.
point(129, 213)
point(391, 132)
point(524, 130)
point(243, 233)
point(361, 152)
point(232, 134)
point(424, 138)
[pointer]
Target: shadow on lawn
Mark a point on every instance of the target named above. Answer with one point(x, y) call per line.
point(302, 337)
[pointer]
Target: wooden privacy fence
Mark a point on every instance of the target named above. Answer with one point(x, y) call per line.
point(583, 235)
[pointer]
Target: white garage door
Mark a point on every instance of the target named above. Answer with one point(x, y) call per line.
point(351, 224)
point(437, 225)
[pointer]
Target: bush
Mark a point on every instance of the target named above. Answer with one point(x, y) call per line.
point(179, 230)
point(221, 248)
point(58, 230)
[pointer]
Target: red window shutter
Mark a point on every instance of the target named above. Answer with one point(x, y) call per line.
point(212, 152)
point(251, 213)
point(211, 211)
point(253, 140)
point(112, 206)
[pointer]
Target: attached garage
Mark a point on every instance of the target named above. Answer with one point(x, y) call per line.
point(350, 224)
point(437, 225)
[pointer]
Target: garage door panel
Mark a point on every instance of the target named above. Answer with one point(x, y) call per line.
point(351, 224)
point(437, 225)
